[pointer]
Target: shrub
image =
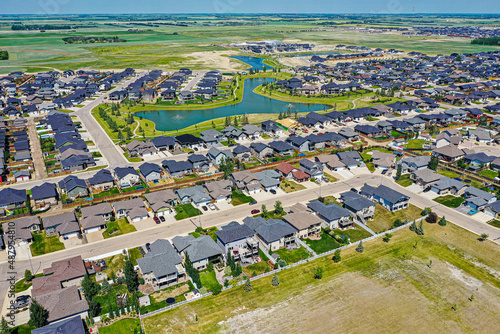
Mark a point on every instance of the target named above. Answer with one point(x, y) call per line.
point(360, 248)
point(426, 211)
point(442, 221)
point(432, 218)
point(336, 256)
point(248, 286)
point(276, 280)
point(282, 263)
point(397, 223)
point(387, 237)
point(216, 289)
point(318, 273)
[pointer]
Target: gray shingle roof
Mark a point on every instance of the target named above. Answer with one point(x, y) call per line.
point(160, 260)
point(271, 230)
point(234, 231)
point(331, 211)
point(388, 194)
point(199, 248)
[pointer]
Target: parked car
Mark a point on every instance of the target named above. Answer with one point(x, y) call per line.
point(195, 148)
point(156, 219)
point(148, 246)
point(272, 191)
point(21, 304)
point(255, 211)
point(211, 206)
point(472, 212)
point(162, 218)
point(204, 208)
point(22, 297)
point(354, 190)
point(253, 202)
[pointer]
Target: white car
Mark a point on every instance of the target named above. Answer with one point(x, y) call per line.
point(211, 206)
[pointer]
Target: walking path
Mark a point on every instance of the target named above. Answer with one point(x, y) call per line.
point(36, 151)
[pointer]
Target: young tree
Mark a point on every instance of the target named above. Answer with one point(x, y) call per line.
point(131, 277)
point(264, 210)
point(483, 237)
point(105, 287)
point(235, 120)
point(94, 308)
point(28, 276)
point(276, 280)
point(278, 209)
point(318, 273)
point(248, 286)
point(360, 248)
point(38, 314)
point(399, 172)
point(397, 223)
point(90, 288)
point(387, 237)
point(442, 221)
point(216, 289)
point(420, 229)
point(433, 163)
point(336, 256)
point(432, 218)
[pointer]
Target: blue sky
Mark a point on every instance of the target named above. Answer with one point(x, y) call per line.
point(246, 6)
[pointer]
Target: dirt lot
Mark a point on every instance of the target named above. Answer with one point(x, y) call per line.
point(215, 59)
point(161, 295)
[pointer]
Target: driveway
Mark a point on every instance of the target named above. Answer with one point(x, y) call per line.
point(415, 188)
point(71, 242)
point(345, 174)
point(94, 236)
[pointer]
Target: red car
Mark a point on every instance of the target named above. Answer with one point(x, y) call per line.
point(156, 219)
point(255, 211)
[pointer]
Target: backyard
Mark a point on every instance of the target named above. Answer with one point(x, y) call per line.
point(325, 244)
point(292, 256)
point(122, 326)
point(43, 244)
point(383, 219)
point(450, 201)
point(118, 227)
point(390, 284)
point(208, 279)
point(259, 268)
point(488, 173)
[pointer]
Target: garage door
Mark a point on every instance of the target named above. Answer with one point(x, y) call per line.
point(90, 230)
point(72, 235)
point(21, 243)
point(136, 220)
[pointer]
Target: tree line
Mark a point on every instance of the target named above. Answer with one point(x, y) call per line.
point(486, 41)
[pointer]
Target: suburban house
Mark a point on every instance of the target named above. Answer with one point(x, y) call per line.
point(73, 187)
point(134, 209)
point(446, 185)
point(161, 202)
point(286, 170)
point(360, 206)
point(163, 143)
point(190, 141)
point(281, 148)
point(94, 217)
point(477, 198)
point(241, 152)
point(304, 223)
point(383, 160)
point(334, 215)
point(311, 168)
point(101, 181)
point(161, 266)
point(12, 199)
point(64, 225)
point(412, 164)
point(212, 136)
point(449, 153)
point(390, 198)
point(493, 209)
point(72, 325)
point(272, 234)
point(479, 159)
point(195, 195)
point(127, 176)
point(425, 177)
point(201, 250)
point(252, 131)
point(150, 172)
point(200, 162)
point(138, 148)
point(217, 156)
point(268, 179)
point(239, 241)
point(219, 191)
point(245, 180)
point(45, 194)
point(20, 230)
point(177, 168)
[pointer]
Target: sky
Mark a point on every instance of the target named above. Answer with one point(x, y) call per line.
point(246, 6)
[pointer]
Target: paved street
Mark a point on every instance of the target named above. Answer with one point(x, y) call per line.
point(238, 213)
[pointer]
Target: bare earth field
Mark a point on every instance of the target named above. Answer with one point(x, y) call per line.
point(389, 288)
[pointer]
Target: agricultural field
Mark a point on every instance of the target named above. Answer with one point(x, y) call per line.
point(443, 281)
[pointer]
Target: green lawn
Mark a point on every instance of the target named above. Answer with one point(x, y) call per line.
point(238, 198)
point(119, 227)
point(384, 219)
point(134, 254)
point(109, 192)
point(121, 327)
point(488, 173)
point(415, 143)
point(114, 263)
point(448, 173)
point(330, 177)
point(404, 180)
point(259, 268)
point(291, 186)
point(292, 256)
point(21, 285)
point(43, 245)
point(495, 223)
point(356, 234)
point(450, 201)
point(325, 244)
point(185, 211)
point(208, 279)
point(103, 300)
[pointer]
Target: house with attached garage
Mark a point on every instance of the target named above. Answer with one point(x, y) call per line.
point(64, 225)
point(219, 191)
point(163, 143)
point(390, 199)
point(161, 202)
point(12, 199)
point(412, 164)
point(94, 217)
point(134, 209)
point(271, 127)
point(201, 251)
point(300, 144)
point(444, 139)
point(425, 177)
point(242, 153)
point(369, 130)
point(493, 209)
point(20, 230)
point(479, 159)
point(281, 148)
point(162, 266)
point(383, 160)
point(445, 186)
point(245, 180)
point(261, 150)
point(72, 325)
point(190, 141)
point(151, 172)
point(126, 176)
point(480, 136)
point(285, 170)
point(195, 195)
point(349, 134)
point(360, 206)
point(449, 153)
point(239, 241)
point(177, 168)
point(212, 136)
point(312, 168)
point(73, 187)
point(272, 234)
point(102, 180)
point(138, 148)
point(233, 133)
point(200, 162)
point(217, 156)
point(477, 198)
point(252, 131)
point(495, 164)
point(45, 193)
point(334, 216)
point(304, 223)
point(269, 179)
